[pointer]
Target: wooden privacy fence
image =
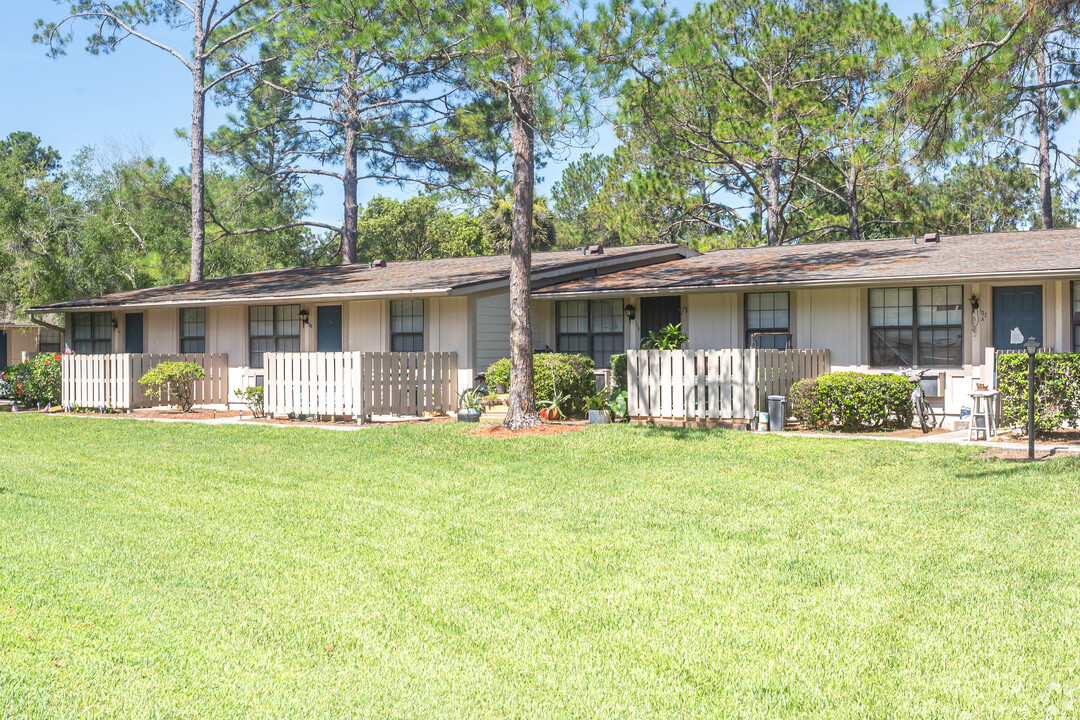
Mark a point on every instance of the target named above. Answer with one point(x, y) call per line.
point(778, 370)
point(112, 380)
point(714, 384)
point(359, 384)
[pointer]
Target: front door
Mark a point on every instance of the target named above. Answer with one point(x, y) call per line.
point(133, 333)
point(3, 349)
point(659, 312)
point(328, 328)
point(1017, 308)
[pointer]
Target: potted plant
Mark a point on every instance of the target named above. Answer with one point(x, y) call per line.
point(552, 409)
point(599, 408)
point(470, 406)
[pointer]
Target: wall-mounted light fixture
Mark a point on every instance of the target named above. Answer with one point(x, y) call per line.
point(304, 315)
point(115, 325)
point(974, 302)
point(631, 312)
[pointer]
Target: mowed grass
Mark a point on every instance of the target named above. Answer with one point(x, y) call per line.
point(153, 570)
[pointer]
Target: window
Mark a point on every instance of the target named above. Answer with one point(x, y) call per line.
point(407, 325)
point(273, 328)
point(1076, 315)
point(767, 312)
point(49, 341)
point(917, 326)
point(193, 330)
point(590, 327)
point(92, 333)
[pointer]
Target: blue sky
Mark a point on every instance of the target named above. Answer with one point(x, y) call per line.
point(136, 98)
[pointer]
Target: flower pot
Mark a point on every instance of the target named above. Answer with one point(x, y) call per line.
point(550, 414)
point(471, 415)
point(598, 416)
point(500, 389)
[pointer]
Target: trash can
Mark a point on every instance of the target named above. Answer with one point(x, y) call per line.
point(777, 412)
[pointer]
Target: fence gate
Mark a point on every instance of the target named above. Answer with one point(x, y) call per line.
point(706, 385)
point(359, 384)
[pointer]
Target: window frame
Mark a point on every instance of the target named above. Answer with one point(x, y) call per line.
point(591, 336)
point(277, 338)
point(915, 325)
point(748, 332)
point(412, 334)
point(191, 338)
point(98, 345)
point(1075, 324)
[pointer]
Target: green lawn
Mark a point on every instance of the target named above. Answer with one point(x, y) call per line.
point(152, 570)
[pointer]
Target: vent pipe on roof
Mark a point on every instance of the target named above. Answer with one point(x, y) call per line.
point(377, 264)
point(593, 250)
point(931, 237)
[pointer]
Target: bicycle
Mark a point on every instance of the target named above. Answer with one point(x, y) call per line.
point(923, 412)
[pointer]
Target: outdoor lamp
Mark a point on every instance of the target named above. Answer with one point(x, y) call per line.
point(974, 301)
point(631, 312)
point(304, 315)
point(1032, 346)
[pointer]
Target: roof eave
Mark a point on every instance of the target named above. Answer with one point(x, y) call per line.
point(797, 284)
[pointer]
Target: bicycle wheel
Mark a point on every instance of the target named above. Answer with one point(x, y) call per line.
point(927, 419)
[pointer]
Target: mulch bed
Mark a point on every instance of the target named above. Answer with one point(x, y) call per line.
point(903, 433)
point(498, 431)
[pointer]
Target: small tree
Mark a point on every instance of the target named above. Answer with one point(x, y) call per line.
point(175, 378)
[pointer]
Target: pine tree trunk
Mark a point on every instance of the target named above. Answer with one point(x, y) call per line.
point(854, 230)
point(1042, 104)
point(349, 180)
point(521, 407)
point(198, 197)
point(772, 205)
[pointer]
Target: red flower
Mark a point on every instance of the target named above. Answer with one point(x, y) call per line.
point(56, 358)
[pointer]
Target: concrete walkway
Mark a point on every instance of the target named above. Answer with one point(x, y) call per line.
point(959, 437)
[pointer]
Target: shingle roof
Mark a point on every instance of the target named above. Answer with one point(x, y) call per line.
point(1030, 253)
point(418, 277)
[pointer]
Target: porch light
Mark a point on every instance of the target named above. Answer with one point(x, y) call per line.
point(115, 325)
point(1032, 346)
point(304, 315)
point(631, 312)
point(974, 302)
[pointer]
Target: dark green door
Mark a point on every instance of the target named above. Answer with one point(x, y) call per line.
point(328, 322)
point(3, 349)
point(1017, 308)
point(133, 333)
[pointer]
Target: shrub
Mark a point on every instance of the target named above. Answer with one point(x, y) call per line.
point(670, 337)
point(176, 378)
point(852, 401)
point(35, 380)
point(1057, 390)
point(571, 374)
point(255, 399)
point(618, 372)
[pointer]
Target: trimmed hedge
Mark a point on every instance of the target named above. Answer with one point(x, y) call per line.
point(572, 374)
point(1057, 390)
point(618, 372)
point(852, 402)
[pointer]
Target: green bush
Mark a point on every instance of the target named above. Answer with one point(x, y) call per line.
point(1057, 390)
point(255, 399)
point(176, 378)
point(571, 374)
point(33, 381)
point(852, 402)
point(670, 337)
point(618, 372)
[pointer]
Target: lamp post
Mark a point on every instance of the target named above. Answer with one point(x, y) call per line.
point(1032, 346)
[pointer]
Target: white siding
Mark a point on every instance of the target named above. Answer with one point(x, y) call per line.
point(368, 323)
point(714, 321)
point(491, 320)
point(446, 329)
point(19, 341)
